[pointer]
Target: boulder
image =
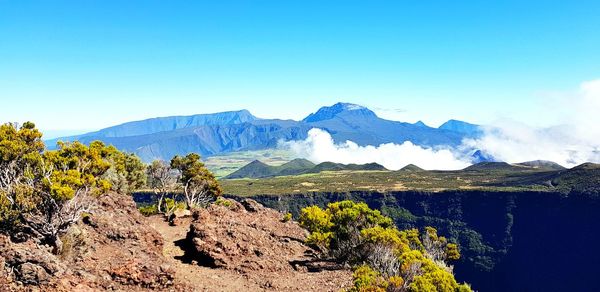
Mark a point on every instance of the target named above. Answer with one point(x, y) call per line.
point(181, 213)
point(252, 205)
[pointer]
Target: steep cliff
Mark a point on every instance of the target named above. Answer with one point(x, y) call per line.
point(511, 241)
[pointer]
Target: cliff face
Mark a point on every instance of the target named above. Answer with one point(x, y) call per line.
point(522, 241)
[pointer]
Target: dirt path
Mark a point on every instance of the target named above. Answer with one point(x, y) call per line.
point(191, 274)
point(255, 249)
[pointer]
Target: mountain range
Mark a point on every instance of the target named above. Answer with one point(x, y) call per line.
point(218, 133)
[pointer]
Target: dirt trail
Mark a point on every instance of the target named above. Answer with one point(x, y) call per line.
point(191, 274)
point(246, 247)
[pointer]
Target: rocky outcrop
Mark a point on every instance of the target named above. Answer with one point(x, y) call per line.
point(113, 249)
point(252, 240)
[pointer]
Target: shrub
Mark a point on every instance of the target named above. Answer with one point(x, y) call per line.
point(287, 217)
point(148, 210)
point(223, 202)
point(386, 258)
point(46, 192)
point(200, 187)
point(171, 206)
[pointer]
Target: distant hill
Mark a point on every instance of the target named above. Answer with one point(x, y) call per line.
point(411, 168)
point(542, 164)
point(538, 165)
point(331, 166)
point(212, 134)
point(584, 178)
point(257, 169)
point(494, 166)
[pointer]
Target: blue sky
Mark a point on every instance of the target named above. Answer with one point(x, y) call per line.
point(89, 64)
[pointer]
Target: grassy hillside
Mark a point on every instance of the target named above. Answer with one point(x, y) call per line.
point(225, 164)
point(485, 176)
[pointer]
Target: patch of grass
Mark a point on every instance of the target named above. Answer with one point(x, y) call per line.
point(385, 181)
point(148, 210)
point(225, 164)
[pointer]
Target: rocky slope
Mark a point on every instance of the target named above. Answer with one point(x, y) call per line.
point(242, 246)
point(114, 249)
point(247, 246)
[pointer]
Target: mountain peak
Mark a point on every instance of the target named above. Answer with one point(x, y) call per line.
point(420, 124)
point(461, 127)
point(340, 108)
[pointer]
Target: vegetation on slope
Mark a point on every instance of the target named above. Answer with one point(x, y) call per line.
point(483, 176)
point(45, 192)
point(258, 169)
point(386, 259)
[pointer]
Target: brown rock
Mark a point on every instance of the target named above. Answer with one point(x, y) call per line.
point(120, 251)
point(181, 213)
point(252, 205)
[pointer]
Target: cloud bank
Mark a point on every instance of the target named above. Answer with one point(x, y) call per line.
point(320, 147)
point(575, 142)
point(570, 144)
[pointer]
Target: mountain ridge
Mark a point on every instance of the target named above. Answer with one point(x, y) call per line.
point(212, 134)
point(258, 169)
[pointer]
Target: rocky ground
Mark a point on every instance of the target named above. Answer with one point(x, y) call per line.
point(114, 249)
point(239, 247)
point(245, 246)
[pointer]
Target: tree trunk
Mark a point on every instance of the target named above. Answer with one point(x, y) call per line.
point(57, 244)
point(159, 205)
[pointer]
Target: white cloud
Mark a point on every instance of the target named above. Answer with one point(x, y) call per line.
point(320, 147)
point(575, 142)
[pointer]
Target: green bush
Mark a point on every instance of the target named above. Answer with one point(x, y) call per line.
point(148, 210)
point(386, 258)
point(223, 202)
point(287, 217)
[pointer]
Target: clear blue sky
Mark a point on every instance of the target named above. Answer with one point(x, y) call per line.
point(90, 64)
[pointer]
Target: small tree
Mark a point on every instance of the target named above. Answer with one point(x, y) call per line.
point(69, 184)
point(127, 172)
point(163, 181)
point(200, 186)
point(20, 156)
point(44, 193)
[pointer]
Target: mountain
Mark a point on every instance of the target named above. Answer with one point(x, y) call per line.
point(257, 169)
point(331, 166)
point(411, 168)
point(340, 110)
point(461, 127)
point(156, 125)
point(542, 164)
point(346, 121)
point(211, 134)
point(493, 166)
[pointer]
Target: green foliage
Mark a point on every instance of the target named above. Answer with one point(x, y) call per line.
point(127, 172)
point(223, 202)
point(162, 179)
point(148, 210)
point(387, 258)
point(172, 205)
point(199, 184)
point(76, 168)
point(287, 217)
point(46, 192)
point(338, 227)
point(366, 279)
